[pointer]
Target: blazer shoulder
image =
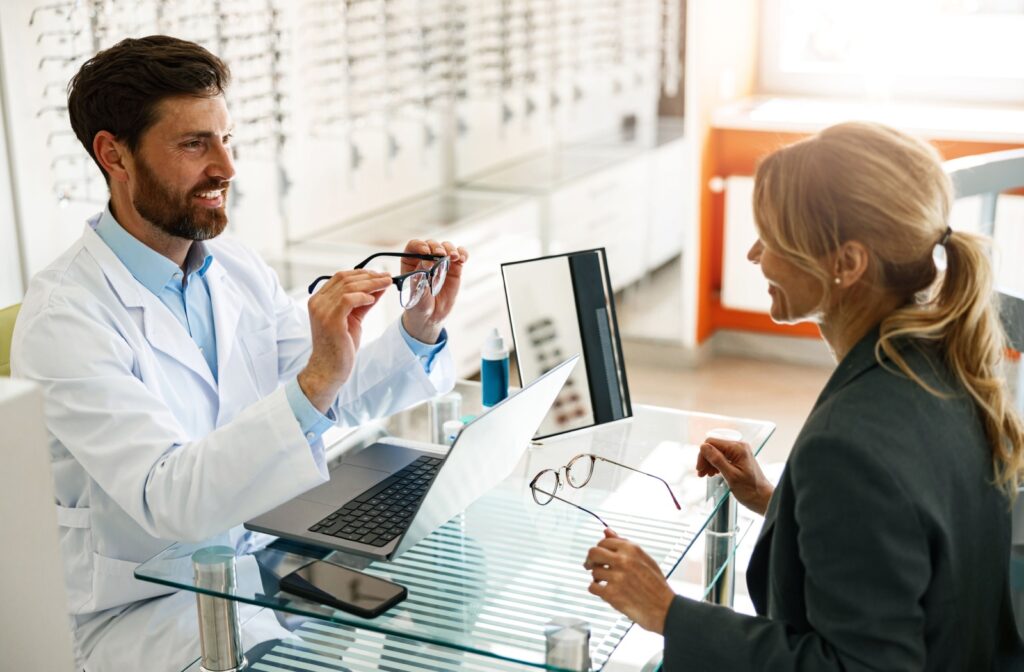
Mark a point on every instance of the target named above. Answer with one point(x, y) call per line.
point(886, 417)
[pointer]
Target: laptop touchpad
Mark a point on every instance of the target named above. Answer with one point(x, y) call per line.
point(359, 472)
point(346, 482)
point(382, 456)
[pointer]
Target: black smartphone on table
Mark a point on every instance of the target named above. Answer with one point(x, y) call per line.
point(344, 588)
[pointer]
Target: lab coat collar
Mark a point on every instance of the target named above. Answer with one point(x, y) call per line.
point(162, 329)
point(149, 267)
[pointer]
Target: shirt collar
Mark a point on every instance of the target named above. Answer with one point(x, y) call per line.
point(148, 266)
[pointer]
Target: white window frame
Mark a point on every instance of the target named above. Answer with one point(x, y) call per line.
point(773, 79)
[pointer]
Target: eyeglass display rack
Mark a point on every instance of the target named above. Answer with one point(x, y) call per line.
point(342, 107)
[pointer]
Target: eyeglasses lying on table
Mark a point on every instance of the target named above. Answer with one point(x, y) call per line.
point(412, 285)
point(578, 472)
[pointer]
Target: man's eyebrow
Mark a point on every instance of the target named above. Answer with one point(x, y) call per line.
point(204, 134)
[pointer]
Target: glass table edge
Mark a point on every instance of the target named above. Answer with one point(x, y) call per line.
point(742, 530)
point(366, 624)
point(725, 493)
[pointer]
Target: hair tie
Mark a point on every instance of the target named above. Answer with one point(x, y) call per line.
point(946, 235)
point(939, 251)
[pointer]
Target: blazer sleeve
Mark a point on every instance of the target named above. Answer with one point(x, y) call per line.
point(866, 564)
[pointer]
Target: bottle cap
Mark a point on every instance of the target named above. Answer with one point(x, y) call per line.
point(451, 430)
point(494, 346)
point(722, 433)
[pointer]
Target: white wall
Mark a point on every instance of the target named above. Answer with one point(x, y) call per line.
point(10, 257)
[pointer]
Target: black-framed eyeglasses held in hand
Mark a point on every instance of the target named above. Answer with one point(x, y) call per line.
point(578, 473)
point(412, 285)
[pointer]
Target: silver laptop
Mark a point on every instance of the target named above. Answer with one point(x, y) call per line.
point(385, 498)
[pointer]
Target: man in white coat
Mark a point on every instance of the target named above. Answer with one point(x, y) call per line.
point(185, 391)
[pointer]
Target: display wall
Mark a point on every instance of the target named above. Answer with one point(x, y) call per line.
point(342, 107)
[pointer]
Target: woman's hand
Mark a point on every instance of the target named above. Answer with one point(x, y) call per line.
point(736, 463)
point(424, 321)
point(629, 580)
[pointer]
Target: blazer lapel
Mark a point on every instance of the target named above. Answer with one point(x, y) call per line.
point(859, 360)
point(757, 569)
point(227, 302)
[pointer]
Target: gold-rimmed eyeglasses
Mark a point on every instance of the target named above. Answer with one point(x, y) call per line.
point(578, 472)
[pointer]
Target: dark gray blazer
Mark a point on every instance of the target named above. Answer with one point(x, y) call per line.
point(884, 547)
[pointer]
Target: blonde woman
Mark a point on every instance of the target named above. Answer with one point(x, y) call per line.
point(886, 543)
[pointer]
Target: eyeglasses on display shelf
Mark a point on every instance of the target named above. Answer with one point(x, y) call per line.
point(411, 286)
point(56, 12)
point(578, 473)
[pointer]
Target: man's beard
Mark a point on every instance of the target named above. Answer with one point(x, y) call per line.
point(175, 213)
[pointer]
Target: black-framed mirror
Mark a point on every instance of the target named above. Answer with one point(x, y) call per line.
point(558, 306)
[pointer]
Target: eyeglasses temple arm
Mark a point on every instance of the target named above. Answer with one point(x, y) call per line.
point(312, 285)
point(425, 257)
point(626, 466)
point(586, 510)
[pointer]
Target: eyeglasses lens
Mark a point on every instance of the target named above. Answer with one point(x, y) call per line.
point(413, 288)
point(543, 486)
point(437, 276)
point(579, 471)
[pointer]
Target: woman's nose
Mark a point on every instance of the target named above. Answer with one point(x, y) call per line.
point(754, 254)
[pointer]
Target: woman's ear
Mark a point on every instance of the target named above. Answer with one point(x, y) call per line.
point(851, 263)
point(111, 155)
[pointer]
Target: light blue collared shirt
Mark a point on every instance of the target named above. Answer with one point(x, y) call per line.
point(185, 293)
point(187, 296)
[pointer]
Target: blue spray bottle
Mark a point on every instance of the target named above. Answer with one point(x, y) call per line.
point(494, 369)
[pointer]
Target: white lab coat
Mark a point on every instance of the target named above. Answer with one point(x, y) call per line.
point(146, 448)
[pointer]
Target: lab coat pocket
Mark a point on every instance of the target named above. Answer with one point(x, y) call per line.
point(114, 583)
point(261, 351)
point(96, 582)
point(75, 536)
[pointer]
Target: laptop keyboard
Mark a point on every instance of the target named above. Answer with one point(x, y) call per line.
point(384, 511)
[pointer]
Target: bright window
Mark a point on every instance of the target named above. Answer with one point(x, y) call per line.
point(954, 50)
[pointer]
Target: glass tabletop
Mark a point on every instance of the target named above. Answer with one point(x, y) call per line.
point(488, 581)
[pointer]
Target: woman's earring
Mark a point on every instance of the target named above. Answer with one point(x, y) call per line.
point(837, 281)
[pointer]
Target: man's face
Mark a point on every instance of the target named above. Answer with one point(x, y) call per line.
point(183, 168)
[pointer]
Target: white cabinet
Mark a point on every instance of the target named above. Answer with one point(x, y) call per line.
point(34, 633)
point(667, 184)
point(625, 196)
point(494, 228)
point(609, 210)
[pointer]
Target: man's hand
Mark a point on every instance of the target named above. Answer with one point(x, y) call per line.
point(336, 315)
point(629, 580)
point(424, 321)
point(738, 466)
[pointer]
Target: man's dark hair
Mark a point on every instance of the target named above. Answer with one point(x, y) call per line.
point(118, 90)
